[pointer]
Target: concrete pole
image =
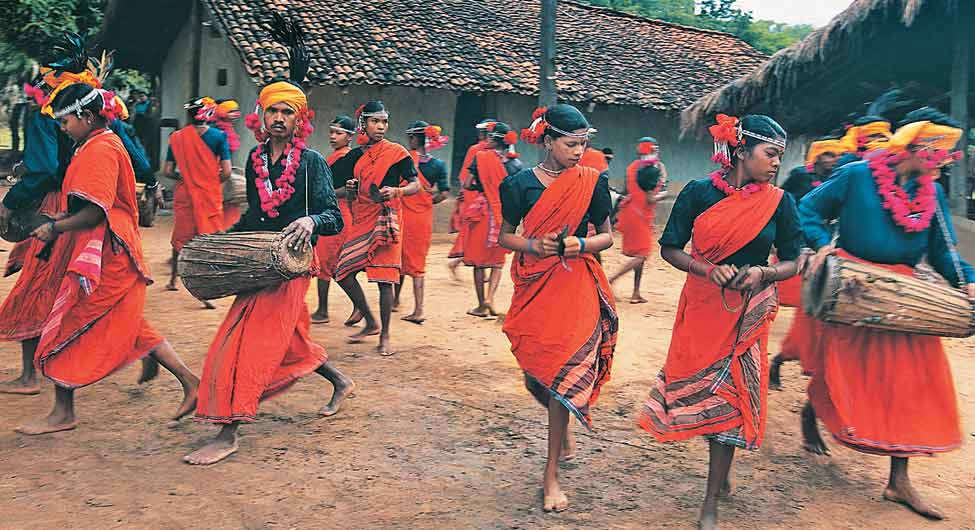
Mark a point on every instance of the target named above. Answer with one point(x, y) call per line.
point(546, 83)
point(961, 82)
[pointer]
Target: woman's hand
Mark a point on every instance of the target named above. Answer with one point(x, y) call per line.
point(547, 245)
point(389, 193)
point(573, 246)
point(352, 187)
point(298, 233)
point(817, 261)
point(722, 274)
point(751, 281)
point(45, 232)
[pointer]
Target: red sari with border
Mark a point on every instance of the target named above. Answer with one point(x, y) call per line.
point(883, 392)
point(482, 214)
point(417, 226)
point(328, 247)
point(28, 304)
point(457, 218)
point(715, 379)
point(373, 239)
point(96, 326)
point(571, 355)
point(595, 159)
point(635, 220)
point(198, 196)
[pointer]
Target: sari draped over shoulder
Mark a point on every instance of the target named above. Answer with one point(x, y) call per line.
point(417, 225)
point(715, 379)
point(635, 220)
point(482, 214)
point(373, 241)
point(466, 196)
point(198, 196)
point(570, 354)
point(328, 247)
point(96, 325)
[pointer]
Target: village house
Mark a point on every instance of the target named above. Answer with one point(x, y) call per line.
point(450, 62)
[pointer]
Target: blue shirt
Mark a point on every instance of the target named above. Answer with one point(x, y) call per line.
point(868, 231)
point(45, 146)
point(140, 162)
point(435, 171)
point(215, 139)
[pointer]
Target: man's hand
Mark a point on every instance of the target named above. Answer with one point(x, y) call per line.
point(817, 261)
point(298, 234)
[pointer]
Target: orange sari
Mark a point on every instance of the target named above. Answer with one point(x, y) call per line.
point(373, 240)
point(96, 325)
point(457, 218)
point(572, 355)
point(595, 159)
point(715, 379)
point(198, 196)
point(263, 346)
point(636, 217)
point(328, 247)
point(417, 226)
point(884, 392)
point(29, 302)
point(482, 214)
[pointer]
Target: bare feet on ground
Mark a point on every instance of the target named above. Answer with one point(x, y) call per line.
point(709, 518)
point(338, 397)
point(812, 441)
point(319, 317)
point(480, 312)
point(171, 287)
point(189, 399)
point(414, 318)
point(908, 496)
point(384, 348)
point(48, 424)
point(354, 318)
point(367, 331)
point(20, 386)
point(637, 299)
point(553, 500)
point(212, 452)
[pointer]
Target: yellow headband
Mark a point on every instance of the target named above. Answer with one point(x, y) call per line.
point(63, 81)
point(283, 92)
point(122, 109)
point(925, 134)
point(824, 146)
point(853, 135)
point(228, 106)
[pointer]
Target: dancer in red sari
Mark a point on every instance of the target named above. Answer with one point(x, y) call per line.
point(96, 326)
point(224, 118)
point(482, 214)
point(264, 344)
point(418, 211)
point(340, 134)
point(714, 382)
point(376, 175)
point(456, 253)
point(566, 358)
point(646, 178)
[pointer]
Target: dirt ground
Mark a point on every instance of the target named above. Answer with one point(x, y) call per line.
point(440, 436)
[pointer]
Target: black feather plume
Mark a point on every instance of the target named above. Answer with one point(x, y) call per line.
point(889, 103)
point(286, 30)
point(70, 55)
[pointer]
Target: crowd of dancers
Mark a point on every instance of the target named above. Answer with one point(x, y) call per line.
point(77, 305)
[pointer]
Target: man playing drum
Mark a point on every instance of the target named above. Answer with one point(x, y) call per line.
point(883, 392)
point(264, 345)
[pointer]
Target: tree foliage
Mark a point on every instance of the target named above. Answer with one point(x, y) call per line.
point(719, 15)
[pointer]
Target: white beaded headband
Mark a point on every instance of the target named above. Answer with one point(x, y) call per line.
point(75, 108)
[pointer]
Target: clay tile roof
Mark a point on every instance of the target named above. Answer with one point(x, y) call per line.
point(604, 56)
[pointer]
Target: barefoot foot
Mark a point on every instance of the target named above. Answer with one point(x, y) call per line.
point(319, 317)
point(812, 441)
point(212, 452)
point(171, 287)
point(21, 386)
point(354, 318)
point(189, 400)
point(367, 331)
point(48, 425)
point(338, 397)
point(637, 299)
point(150, 369)
point(553, 500)
point(480, 312)
point(908, 496)
point(709, 518)
point(384, 348)
point(414, 318)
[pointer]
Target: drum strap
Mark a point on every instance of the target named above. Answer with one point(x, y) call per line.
point(951, 245)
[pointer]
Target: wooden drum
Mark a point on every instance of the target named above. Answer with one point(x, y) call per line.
point(217, 265)
point(850, 292)
point(235, 188)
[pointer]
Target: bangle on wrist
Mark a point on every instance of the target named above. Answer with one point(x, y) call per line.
point(582, 244)
point(54, 227)
point(711, 270)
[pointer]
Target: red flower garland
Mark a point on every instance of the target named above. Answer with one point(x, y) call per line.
point(270, 200)
point(911, 215)
point(717, 179)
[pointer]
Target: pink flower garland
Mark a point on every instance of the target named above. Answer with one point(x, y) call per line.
point(717, 179)
point(233, 139)
point(911, 215)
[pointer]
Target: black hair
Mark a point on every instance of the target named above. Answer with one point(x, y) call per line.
point(192, 107)
point(608, 151)
point(648, 176)
point(930, 114)
point(566, 118)
point(417, 124)
point(74, 93)
point(373, 106)
point(500, 130)
point(344, 122)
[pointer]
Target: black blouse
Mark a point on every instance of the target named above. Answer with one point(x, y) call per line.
point(321, 202)
point(799, 183)
point(344, 169)
point(521, 191)
point(782, 230)
point(511, 166)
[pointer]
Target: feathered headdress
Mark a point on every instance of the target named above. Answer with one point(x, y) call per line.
point(287, 31)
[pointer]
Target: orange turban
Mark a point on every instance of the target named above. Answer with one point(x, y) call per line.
point(64, 80)
point(225, 108)
point(819, 147)
point(926, 134)
point(283, 92)
point(855, 133)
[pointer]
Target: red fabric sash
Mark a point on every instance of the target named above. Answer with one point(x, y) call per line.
point(570, 356)
point(595, 159)
point(636, 217)
point(336, 155)
point(491, 171)
point(421, 202)
point(200, 172)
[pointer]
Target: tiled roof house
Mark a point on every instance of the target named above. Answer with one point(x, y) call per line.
point(450, 62)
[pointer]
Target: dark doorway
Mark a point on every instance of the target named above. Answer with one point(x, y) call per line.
point(470, 110)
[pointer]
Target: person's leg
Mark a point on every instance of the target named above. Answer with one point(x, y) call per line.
point(167, 356)
point(452, 267)
point(385, 314)
point(494, 281)
point(342, 387)
point(812, 441)
point(222, 446)
point(416, 316)
point(171, 286)
point(558, 420)
point(637, 298)
point(719, 465)
point(351, 286)
point(397, 290)
point(320, 316)
point(627, 267)
point(900, 490)
point(774, 371)
point(26, 384)
point(479, 284)
point(61, 417)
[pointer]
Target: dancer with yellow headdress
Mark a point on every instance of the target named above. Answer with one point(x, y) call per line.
point(884, 392)
point(264, 344)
